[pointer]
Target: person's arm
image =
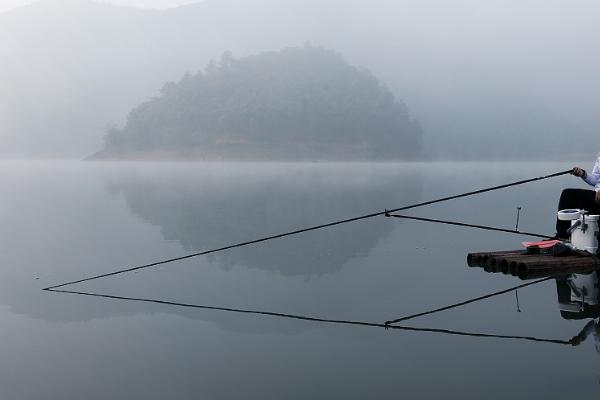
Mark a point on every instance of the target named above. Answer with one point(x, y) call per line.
point(593, 178)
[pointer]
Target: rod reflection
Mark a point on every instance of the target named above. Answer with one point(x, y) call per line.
point(310, 318)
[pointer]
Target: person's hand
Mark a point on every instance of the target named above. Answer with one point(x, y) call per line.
point(578, 171)
point(598, 197)
point(575, 341)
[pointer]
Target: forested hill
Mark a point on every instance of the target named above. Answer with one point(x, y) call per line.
point(296, 104)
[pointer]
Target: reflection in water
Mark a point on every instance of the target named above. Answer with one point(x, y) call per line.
point(578, 295)
point(579, 298)
point(202, 206)
point(189, 308)
point(308, 318)
point(203, 213)
point(465, 302)
point(592, 328)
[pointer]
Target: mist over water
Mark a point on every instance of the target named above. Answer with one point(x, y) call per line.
point(71, 220)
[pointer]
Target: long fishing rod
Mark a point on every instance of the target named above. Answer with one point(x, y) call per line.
point(484, 227)
point(312, 228)
point(308, 318)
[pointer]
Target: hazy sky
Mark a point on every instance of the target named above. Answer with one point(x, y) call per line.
point(6, 5)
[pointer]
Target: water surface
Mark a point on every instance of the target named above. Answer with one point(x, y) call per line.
point(67, 220)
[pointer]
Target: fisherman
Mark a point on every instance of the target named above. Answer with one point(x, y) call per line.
point(588, 200)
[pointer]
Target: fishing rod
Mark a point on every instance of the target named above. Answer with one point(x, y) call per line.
point(484, 227)
point(312, 228)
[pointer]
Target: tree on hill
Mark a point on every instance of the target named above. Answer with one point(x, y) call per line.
point(298, 103)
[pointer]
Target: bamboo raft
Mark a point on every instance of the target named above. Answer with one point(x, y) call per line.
point(531, 266)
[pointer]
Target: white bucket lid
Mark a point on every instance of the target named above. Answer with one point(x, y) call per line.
point(570, 214)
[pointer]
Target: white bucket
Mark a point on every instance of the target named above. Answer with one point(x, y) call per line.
point(586, 239)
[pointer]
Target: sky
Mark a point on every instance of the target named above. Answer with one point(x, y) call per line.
point(6, 5)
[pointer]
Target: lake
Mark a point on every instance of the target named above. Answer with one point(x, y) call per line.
point(63, 221)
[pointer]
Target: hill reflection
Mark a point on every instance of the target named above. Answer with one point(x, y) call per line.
point(199, 206)
point(204, 212)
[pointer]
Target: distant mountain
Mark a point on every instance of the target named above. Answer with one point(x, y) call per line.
point(296, 104)
point(485, 81)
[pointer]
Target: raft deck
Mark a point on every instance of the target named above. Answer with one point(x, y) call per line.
point(531, 266)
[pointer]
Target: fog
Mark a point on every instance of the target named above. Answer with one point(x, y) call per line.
point(8, 5)
point(494, 79)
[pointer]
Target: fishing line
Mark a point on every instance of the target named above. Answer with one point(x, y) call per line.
point(485, 227)
point(312, 228)
point(308, 318)
point(462, 303)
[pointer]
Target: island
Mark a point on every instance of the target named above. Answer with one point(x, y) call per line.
point(298, 104)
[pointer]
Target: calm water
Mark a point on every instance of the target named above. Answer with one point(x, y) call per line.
point(67, 220)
